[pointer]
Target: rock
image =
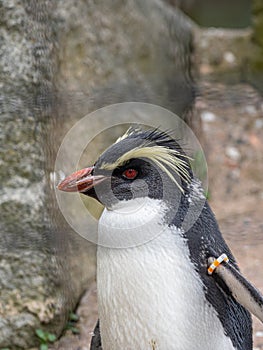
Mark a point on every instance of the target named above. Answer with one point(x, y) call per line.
point(233, 153)
point(143, 54)
point(259, 123)
point(34, 285)
point(222, 54)
point(208, 117)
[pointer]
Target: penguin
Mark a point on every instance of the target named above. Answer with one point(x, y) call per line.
point(166, 278)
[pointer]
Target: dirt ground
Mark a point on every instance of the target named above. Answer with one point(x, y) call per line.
point(232, 122)
point(233, 130)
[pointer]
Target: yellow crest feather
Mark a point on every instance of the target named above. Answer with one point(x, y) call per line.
point(165, 158)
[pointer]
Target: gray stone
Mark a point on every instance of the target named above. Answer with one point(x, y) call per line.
point(34, 278)
point(116, 51)
point(222, 54)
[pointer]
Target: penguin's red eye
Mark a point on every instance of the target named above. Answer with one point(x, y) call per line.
point(130, 174)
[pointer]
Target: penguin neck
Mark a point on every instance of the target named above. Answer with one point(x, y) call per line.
point(131, 223)
point(149, 294)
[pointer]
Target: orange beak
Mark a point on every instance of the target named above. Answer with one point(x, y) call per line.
point(81, 181)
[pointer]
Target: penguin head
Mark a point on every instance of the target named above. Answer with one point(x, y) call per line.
point(139, 164)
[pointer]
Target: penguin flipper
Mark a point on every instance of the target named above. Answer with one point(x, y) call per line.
point(241, 289)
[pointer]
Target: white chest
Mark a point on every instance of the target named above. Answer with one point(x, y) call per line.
point(151, 297)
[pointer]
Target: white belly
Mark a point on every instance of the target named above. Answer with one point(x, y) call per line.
point(151, 297)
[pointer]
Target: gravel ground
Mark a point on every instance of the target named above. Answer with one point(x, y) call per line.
point(232, 119)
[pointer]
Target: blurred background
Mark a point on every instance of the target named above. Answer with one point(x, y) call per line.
point(59, 61)
point(223, 14)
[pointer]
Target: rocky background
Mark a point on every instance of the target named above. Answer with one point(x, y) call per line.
point(61, 60)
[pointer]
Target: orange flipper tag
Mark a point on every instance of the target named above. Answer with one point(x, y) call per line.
point(216, 263)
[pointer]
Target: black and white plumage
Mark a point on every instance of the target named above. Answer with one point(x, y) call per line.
point(153, 289)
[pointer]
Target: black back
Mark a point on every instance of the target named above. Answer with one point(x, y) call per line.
point(205, 240)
